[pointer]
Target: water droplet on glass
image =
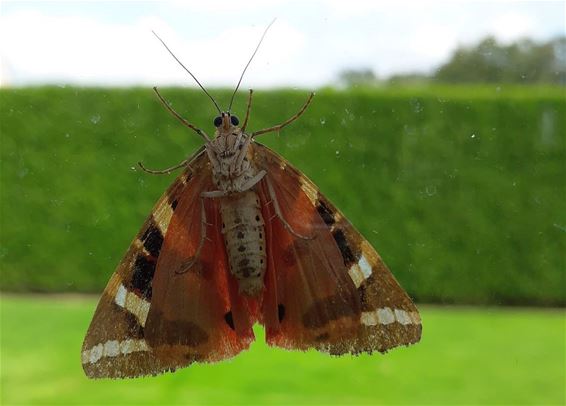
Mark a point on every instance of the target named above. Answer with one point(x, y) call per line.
point(417, 106)
point(430, 190)
point(23, 172)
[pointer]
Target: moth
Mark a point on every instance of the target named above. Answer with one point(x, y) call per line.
point(243, 237)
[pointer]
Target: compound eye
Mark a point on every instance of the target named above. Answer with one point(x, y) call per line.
point(234, 120)
point(218, 121)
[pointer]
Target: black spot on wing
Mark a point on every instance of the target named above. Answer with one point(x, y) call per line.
point(229, 319)
point(280, 312)
point(326, 214)
point(345, 249)
point(144, 268)
point(152, 239)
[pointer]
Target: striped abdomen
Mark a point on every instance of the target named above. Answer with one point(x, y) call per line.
point(244, 235)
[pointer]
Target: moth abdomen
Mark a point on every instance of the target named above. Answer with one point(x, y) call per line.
point(243, 230)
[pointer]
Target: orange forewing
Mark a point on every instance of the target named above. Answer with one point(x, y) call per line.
point(319, 284)
point(151, 319)
point(194, 312)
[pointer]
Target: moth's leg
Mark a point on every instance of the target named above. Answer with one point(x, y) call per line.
point(237, 143)
point(181, 119)
point(279, 215)
point(204, 224)
point(213, 194)
point(237, 163)
point(247, 111)
point(288, 121)
point(163, 171)
point(212, 157)
point(253, 181)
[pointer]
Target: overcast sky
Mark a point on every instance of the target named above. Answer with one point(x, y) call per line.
point(110, 43)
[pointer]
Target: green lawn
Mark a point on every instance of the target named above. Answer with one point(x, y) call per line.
point(467, 356)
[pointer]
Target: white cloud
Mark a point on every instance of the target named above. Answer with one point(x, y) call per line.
point(80, 49)
point(71, 49)
point(307, 46)
point(513, 25)
point(223, 6)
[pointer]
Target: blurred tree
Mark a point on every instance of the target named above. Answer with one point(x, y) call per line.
point(411, 78)
point(524, 61)
point(357, 77)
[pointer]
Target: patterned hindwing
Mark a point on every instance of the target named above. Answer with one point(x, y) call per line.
point(115, 344)
point(368, 311)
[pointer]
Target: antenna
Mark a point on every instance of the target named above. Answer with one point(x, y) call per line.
point(248, 64)
point(189, 72)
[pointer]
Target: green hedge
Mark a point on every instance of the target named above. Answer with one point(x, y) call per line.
point(461, 189)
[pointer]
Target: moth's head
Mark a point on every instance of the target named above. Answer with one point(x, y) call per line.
point(226, 123)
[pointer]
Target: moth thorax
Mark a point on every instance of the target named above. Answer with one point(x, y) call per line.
point(244, 236)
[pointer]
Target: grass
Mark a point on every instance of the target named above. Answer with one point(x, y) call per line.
point(467, 356)
point(458, 187)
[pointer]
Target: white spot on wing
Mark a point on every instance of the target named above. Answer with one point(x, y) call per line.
point(402, 317)
point(365, 267)
point(95, 353)
point(310, 191)
point(129, 346)
point(120, 298)
point(113, 348)
point(85, 356)
point(385, 316)
point(356, 275)
point(162, 216)
point(360, 271)
point(369, 318)
point(133, 303)
point(138, 307)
